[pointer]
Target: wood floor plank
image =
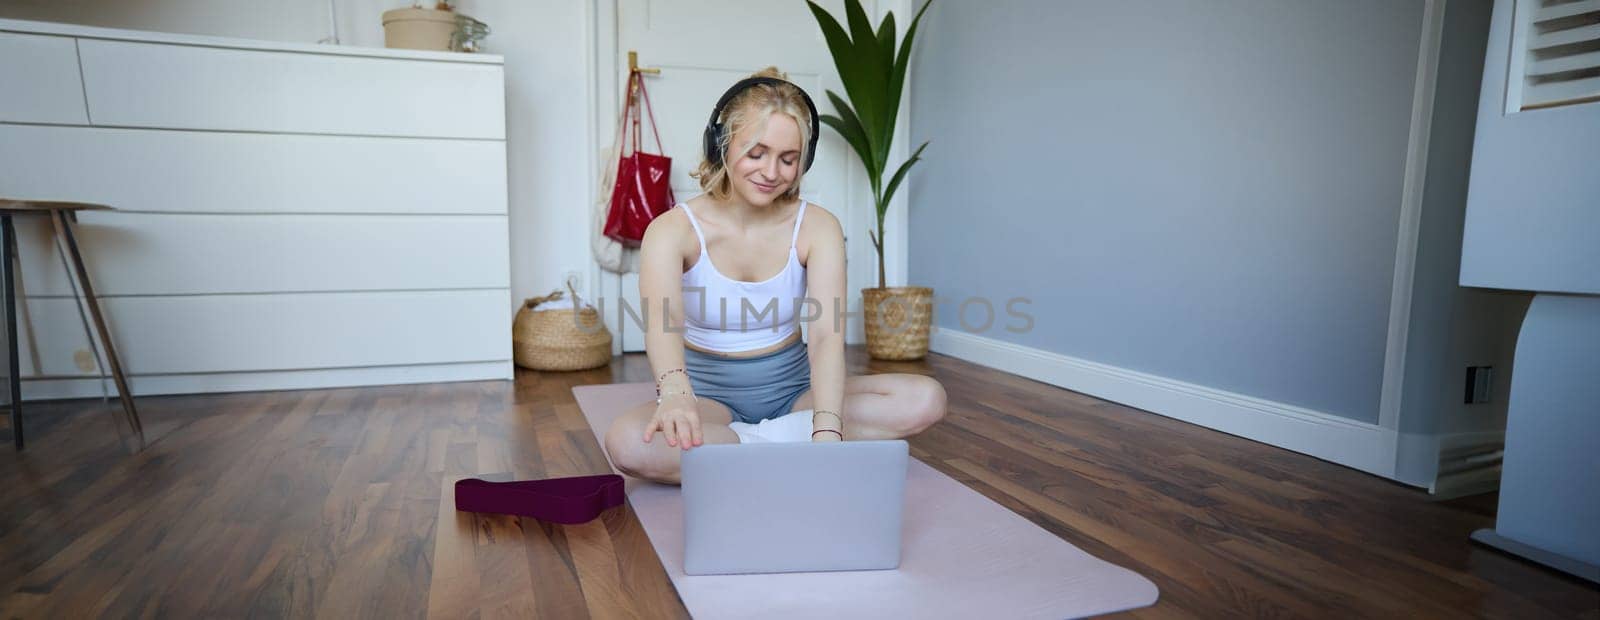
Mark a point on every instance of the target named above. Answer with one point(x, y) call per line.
point(505, 586)
point(338, 503)
point(453, 587)
point(644, 583)
point(554, 570)
point(596, 562)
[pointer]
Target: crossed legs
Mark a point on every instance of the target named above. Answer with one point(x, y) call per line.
point(624, 441)
point(883, 406)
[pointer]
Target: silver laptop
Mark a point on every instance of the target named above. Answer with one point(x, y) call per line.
point(793, 506)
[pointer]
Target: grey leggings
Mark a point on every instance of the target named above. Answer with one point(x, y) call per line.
point(754, 388)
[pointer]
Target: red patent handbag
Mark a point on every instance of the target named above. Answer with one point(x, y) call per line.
point(644, 180)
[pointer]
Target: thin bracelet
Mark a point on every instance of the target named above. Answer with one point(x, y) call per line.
point(817, 411)
point(662, 376)
point(828, 430)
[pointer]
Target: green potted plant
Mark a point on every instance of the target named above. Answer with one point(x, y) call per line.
point(873, 70)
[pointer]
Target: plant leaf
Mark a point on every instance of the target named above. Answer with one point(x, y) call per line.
point(886, 40)
point(886, 47)
point(850, 129)
point(840, 47)
point(897, 75)
point(859, 81)
point(857, 140)
point(870, 106)
point(899, 175)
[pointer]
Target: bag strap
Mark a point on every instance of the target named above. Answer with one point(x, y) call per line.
point(613, 159)
point(622, 121)
point(631, 113)
point(654, 128)
point(638, 143)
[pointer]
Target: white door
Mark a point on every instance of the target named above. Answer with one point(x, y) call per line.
point(702, 47)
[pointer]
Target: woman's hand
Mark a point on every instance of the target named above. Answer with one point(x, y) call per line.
point(678, 418)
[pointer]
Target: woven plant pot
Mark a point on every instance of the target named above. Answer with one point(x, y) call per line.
point(418, 29)
point(559, 339)
point(897, 321)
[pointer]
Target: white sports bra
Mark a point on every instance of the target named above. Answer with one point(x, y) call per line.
point(727, 315)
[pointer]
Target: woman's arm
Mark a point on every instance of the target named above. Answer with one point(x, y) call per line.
point(825, 283)
point(661, 307)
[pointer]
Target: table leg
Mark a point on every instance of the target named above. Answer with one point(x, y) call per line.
point(100, 325)
point(14, 380)
point(60, 244)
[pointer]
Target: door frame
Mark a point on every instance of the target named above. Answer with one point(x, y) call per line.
point(602, 59)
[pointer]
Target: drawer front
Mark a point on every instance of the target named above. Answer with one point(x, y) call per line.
point(221, 172)
point(131, 84)
point(181, 254)
point(243, 333)
point(39, 80)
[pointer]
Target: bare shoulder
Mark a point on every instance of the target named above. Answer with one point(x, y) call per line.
point(669, 234)
point(818, 226)
point(818, 222)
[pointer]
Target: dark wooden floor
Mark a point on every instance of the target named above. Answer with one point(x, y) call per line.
point(327, 503)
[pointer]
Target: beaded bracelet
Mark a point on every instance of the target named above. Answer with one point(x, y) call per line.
point(817, 411)
point(663, 376)
point(689, 394)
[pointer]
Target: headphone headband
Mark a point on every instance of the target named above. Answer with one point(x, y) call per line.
point(714, 129)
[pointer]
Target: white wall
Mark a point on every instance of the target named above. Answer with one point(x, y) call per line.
point(1533, 208)
point(547, 106)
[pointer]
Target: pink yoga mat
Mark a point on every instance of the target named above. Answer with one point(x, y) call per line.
point(963, 556)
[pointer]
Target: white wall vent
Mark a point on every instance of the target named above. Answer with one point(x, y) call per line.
point(1555, 54)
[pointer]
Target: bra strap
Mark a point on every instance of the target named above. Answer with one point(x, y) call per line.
point(797, 219)
point(696, 225)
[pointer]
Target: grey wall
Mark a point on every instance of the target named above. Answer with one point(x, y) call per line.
point(1453, 327)
point(1533, 213)
point(1205, 191)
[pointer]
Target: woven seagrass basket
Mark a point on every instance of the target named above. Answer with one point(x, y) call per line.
point(559, 339)
point(898, 319)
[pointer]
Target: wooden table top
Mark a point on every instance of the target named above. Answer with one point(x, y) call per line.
point(44, 206)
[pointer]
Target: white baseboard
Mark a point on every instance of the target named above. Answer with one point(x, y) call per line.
point(46, 388)
point(1367, 447)
point(1437, 462)
point(1468, 464)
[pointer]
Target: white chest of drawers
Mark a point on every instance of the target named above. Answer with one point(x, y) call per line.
point(290, 216)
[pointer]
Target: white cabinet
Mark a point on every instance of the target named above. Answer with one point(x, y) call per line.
point(289, 216)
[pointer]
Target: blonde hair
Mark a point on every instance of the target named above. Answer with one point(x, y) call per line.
point(754, 107)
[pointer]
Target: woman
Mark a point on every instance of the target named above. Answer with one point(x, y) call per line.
point(732, 270)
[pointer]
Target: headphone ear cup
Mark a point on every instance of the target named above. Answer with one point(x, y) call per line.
point(712, 137)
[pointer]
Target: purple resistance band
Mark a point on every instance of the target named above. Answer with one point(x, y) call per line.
point(558, 500)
